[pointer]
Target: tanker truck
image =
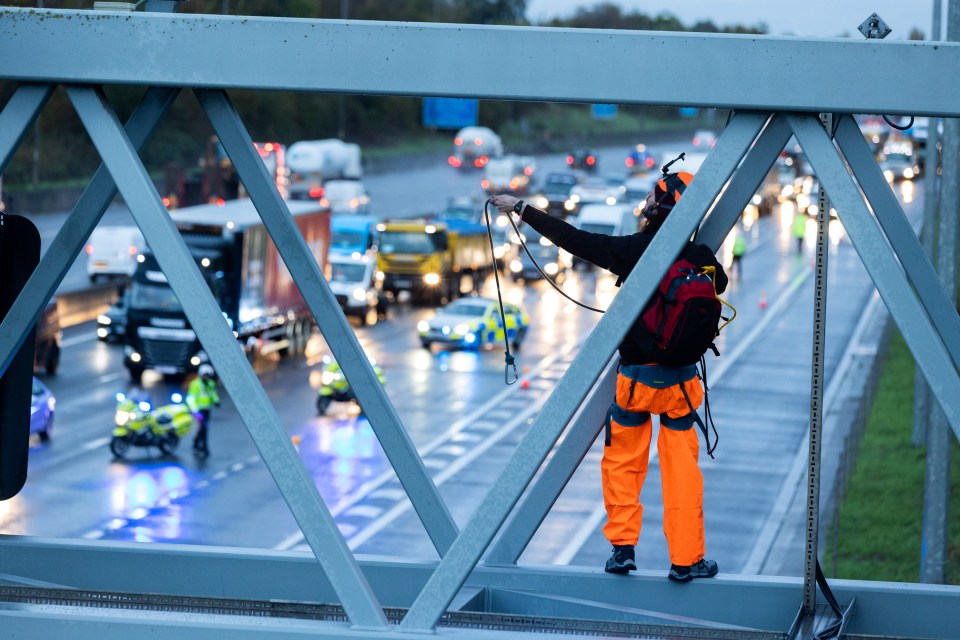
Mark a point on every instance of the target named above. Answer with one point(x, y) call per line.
point(313, 162)
point(239, 262)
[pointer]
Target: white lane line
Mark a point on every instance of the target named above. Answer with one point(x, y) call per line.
point(364, 511)
point(95, 444)
point(389, 494)
point(219, 475)
point(75, 340)
point(583, 533)
point(458, 465)
point(798, 470)
point(110, 377)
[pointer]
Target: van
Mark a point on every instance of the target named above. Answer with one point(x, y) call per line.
point(345, 196)
point(612, 220)
point(112, 252)
point(352, 235)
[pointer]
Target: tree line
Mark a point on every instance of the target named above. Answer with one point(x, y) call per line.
point(57, 148)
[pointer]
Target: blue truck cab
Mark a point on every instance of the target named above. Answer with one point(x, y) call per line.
point(352, 234)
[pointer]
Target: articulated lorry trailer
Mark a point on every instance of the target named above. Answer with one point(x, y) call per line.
point(433, 260)
point(257, 295)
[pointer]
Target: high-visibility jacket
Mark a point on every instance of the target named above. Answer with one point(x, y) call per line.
point(202, 394)
point(739, 246)
point(799, 226)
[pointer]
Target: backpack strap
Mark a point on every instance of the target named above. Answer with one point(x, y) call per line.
point(624, 418)
point(693, 416)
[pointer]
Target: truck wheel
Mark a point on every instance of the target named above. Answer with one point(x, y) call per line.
point(136, 374)
point(53, 360)
point(119, 446)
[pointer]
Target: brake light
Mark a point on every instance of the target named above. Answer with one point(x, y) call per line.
point(458, 141)
point(324, 202)
point(133, 250)
point(316, 192)
point(484, 184)
point(696, 141)
point(630, 162)
point(481, 161)
point(591, 160)
point(454, 162)
point(569, 159)
point(166, 202)
point(649, 162)
point(89, 249)
point(221, 202)
point(354, 203)
point(478, 141)
point(528, 171)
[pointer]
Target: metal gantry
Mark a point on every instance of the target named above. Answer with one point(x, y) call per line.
point(78, 49)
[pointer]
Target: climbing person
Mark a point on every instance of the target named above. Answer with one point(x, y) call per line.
point(201, 395)
point(645, 386)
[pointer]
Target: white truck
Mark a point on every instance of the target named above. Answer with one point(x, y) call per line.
point(474, 146)
point(313, 162)
point(509, 173)
point(112, 252)
point(612, 220)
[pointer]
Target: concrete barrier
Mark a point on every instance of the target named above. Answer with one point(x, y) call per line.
point(84, 305)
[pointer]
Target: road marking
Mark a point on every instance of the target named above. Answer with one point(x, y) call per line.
point(96, 444)
point(110, 377)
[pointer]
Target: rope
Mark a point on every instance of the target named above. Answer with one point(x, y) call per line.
point(510, 361)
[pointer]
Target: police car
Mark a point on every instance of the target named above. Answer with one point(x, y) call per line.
point(474, 322)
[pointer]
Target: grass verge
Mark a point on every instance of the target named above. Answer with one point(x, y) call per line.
point(881, 515)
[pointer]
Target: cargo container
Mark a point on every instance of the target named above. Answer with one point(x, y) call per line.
point(257, 295)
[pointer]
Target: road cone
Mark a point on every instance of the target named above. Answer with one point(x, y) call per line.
point(763, 299)
point(296, 440)
point(525, 380)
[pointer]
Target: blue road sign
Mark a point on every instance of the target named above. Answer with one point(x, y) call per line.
point(450, 113)
point(603, 111)
point(688, 112)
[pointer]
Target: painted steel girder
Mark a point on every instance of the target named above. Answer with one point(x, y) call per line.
point(535, 63)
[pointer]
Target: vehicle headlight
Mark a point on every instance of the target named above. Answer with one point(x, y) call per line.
point(813, 210)
point(432, 279)
point(445, 330)
point(470, 338)
point(327, 377)
point(569, 205)
point(102, 319)
point(575, 198)
point(787, 190)
point(545, 242)
point(499, 252)
point(102, 332)
point(756, 199)
point(611, 200)
point(195, 361)
point(380, 276)
point(134, 356)
point(551, 268)
point(888, 175)
point(516, 266)
point(542, 203)
point(423, 326)
point(359, 294)
point(461, 329)
point(908, 173)
point(122, 418)
point(51, 403)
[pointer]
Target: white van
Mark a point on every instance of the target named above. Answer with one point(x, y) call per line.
point(345, 196)
point(112, 252)
point(612, 220)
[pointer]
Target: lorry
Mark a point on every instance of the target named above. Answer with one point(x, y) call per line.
point(240, 263)
point(112, 252)
point(431, 258)
point(509, 173)
point(312, 162)
point(352, 235)
point(473, 147)
point(354, 282)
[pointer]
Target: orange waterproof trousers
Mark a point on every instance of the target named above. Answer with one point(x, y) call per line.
point(624, 468)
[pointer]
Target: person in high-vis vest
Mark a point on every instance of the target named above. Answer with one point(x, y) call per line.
point(644, 387)
point(201, 396)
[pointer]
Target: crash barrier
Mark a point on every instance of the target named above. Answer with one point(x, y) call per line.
point(76, 307)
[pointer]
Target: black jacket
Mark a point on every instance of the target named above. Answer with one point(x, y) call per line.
point(617, 254)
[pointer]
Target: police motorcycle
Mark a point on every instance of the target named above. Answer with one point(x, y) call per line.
point(140, 424)
point(334, 386)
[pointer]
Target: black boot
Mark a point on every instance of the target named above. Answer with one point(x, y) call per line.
point(686, 573)
point(622, 559)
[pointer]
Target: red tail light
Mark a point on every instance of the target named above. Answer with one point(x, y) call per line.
point(221, 202)
point(132, 249)
point(649, 162)
point(458, 141)
point(478, 141)
point(696, 141)
point(630, 162)
point(454, 162)
point(484, 184)
point(569, 159)
point(316, 192)
point(528, 171)
point(166, 202)
point(591, 160)
point(89, 249)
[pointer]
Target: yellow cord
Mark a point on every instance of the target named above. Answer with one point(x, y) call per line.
point(711, 271)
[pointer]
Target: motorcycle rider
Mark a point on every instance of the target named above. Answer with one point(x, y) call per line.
point(201, 394)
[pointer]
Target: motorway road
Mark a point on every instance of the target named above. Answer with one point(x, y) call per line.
point(462, 418)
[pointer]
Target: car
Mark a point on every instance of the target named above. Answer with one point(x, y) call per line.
point(464, 208)
point(640, 160)
point(112, 323)
point(599, 189)
point(358, 291)
point(583, 159)
point(474, 322)
point(345, 196)
point(899, 162)
point(555, 195)
point(552, 260)
point(474, 146)
point(42, 404)
point(704, 139)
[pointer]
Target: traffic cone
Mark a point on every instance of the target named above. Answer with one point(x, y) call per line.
point(763, 299)
point(525, 380)
point(296, 440)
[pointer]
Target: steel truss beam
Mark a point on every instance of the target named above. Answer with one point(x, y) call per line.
point(17, 116)
point(323, 305)
point(468, 60)
point(880, 261)
point(253, 405)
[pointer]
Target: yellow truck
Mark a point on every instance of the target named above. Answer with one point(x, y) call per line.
point(434, 260)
